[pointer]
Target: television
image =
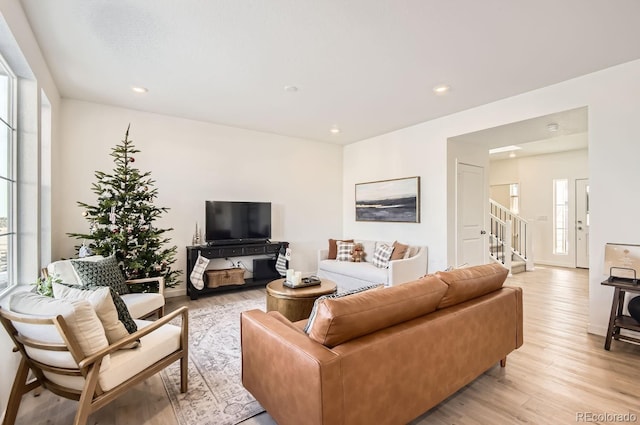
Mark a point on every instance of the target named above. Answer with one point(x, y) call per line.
point(229, 222)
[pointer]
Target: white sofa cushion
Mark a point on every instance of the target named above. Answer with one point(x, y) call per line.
point(141, 304)
point(365, 271)
point(79, 316)
point(369, 247)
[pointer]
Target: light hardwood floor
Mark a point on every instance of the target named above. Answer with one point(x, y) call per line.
point(559, 373)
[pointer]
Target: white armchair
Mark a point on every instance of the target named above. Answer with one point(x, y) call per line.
point(64, 344)
point(140, 305)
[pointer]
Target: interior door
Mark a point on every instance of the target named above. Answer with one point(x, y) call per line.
point(471, 212)
point(582, 223)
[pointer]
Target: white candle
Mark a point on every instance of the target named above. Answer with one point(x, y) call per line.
point(298, 278)
point(290, 275)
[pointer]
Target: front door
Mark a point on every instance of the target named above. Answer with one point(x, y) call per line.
point(582, 223)
point(471, 213)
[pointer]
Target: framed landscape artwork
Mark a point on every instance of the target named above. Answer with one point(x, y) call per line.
point(396, 200)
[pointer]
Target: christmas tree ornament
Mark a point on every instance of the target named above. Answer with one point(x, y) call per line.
point(132, 159)
point(85, 213)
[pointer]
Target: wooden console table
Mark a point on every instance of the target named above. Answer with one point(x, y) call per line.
point(617, 320)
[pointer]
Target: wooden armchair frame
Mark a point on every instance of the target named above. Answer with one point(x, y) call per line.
point(92, 397)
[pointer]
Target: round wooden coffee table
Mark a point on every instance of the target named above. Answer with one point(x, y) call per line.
point(296, 304)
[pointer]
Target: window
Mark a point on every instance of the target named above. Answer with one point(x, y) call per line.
point(7, 177)
point(561, 216)
point(514, 198)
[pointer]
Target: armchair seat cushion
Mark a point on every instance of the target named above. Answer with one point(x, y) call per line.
point(125, 364)
point(140, 305)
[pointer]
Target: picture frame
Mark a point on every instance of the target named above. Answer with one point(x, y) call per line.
point(394, 200)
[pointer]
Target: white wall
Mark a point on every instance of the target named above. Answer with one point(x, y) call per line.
point(535, 174)
point(614, 110)
point(194, 161)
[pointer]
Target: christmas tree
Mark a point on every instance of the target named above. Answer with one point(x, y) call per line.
point(122, 221)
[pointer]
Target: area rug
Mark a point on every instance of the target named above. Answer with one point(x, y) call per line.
point(216, 395)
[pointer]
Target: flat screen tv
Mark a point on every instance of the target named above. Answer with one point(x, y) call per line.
point(228, 222)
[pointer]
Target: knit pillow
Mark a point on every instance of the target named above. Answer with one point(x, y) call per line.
point(382, 255)
point(344, 251)
point(103, 272)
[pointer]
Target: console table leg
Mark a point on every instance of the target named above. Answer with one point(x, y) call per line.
point(615, 304)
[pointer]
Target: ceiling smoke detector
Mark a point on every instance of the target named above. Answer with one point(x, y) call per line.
point(553, 127)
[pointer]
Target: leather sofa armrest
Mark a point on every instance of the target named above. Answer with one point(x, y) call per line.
point(408, 269)
point(274, 354)
point(519, 318)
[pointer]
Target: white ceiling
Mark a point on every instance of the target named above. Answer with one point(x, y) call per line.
point(366, 66)
point(534, 136)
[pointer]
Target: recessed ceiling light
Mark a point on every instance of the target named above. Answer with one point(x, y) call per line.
point(441, 89)
point(553, 127)
point(504, 149)
point(334, 130)
point(291, 89)
point(512, 155)
point(140, 89)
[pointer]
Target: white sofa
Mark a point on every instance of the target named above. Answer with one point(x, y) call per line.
point(351, 275)
point(140, 305)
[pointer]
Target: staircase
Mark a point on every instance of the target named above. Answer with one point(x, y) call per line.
point(509, 239)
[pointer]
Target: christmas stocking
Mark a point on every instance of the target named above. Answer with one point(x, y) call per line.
point(197, 275)
point(281, 262)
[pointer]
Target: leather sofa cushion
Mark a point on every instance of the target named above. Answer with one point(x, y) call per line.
point(342, 319)
point(468, 283)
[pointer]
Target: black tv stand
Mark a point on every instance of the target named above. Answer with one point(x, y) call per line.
point(211, 244)
point(248, 248)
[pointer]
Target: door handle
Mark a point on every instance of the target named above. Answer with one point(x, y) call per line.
point(482, 232)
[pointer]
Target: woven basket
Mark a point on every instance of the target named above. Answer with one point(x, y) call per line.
point(224, 277)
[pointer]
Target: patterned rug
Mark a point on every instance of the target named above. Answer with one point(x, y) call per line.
point(216, 395)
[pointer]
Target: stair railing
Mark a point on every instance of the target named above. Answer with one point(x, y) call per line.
point(519, 238)
point(499, 236)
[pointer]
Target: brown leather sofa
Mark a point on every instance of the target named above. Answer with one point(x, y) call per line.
point(382, 356)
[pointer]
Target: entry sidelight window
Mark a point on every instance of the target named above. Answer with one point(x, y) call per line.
point(561, 216)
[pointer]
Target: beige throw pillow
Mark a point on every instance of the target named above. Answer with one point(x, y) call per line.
point(399, 251)
point(101, 301)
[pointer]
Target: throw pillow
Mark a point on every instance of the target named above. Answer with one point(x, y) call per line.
point(344, 251)
point(321, 299)
point(333, 247)
point(79, 315)
point(103, 272)
point(102, 301)
point(399, 251)
point(382, 255)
